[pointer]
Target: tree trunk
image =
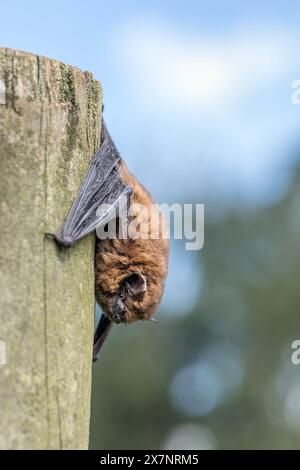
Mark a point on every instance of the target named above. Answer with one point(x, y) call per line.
point(49, 129)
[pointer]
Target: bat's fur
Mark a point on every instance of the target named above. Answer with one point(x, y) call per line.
point(129, 272)
point(116, 259)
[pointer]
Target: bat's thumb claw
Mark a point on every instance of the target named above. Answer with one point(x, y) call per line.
point(49, 235)
point(61, 241)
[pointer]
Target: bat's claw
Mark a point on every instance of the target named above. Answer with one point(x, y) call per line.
point(66, 241)
point(49, 235)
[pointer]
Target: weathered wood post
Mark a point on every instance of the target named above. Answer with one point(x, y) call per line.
point(49, 129)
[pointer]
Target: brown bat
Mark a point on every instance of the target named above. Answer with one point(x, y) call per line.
point(130, 271)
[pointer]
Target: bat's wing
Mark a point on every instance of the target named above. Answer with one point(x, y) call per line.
point(101, 333)
point(102, 185)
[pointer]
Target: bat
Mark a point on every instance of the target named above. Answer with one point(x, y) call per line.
point(102, 185)
point(130, 270)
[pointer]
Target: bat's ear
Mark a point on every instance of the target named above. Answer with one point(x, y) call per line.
point(137, 283)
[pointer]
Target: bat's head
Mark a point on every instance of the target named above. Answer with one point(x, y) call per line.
point(126, 304)
point(130, 278)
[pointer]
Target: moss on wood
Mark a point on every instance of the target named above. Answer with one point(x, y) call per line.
point(49, 129)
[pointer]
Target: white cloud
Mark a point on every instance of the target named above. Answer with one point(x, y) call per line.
point(222, 100)
point(201, 71)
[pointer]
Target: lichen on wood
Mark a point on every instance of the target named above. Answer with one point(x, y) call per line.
point(49, 129)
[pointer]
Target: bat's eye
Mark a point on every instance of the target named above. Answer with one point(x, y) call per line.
point(122, 295)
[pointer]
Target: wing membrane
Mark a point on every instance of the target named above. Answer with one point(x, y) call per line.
point(102, 185)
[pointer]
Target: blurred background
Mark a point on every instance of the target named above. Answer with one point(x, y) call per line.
point(198, 98)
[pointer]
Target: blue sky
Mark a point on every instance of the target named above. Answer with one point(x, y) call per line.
point(196, 89)
point(197, 94)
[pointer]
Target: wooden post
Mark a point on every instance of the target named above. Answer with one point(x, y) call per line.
point(49, 129)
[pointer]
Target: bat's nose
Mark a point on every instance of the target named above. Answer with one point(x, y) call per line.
point(118, 312)
point(117, 317)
